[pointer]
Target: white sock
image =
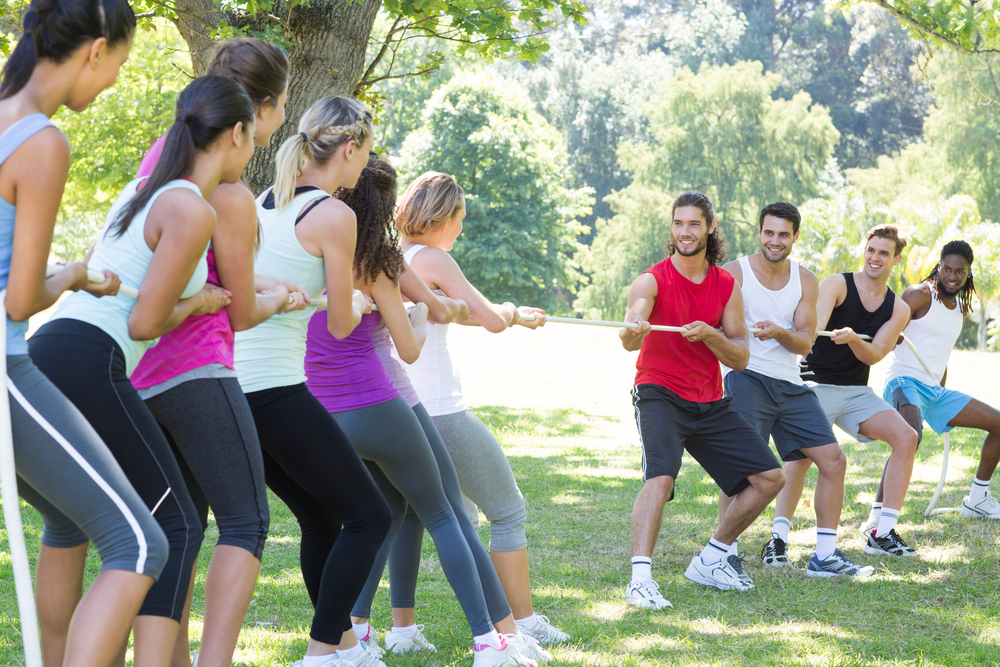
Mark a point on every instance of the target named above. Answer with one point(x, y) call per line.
point(361, 630)
point(780, 528)
point(408, 631)
point(826, 542)
point(887, 521)
point(979, 489)
point(734, 548)
point(531, 621)
point(642, 568)
point(315, 660)
point(874, 513)
point(352, 653)
point(491, 638)
point(714, 551)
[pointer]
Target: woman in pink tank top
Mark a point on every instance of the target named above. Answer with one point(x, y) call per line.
point(189, 384)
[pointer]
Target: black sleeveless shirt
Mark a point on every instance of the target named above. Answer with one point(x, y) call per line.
point(829, 363)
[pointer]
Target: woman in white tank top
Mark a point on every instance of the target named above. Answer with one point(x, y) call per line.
point(155, 238)
point(429, 216)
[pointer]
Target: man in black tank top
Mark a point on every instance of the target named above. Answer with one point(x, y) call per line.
point(851, 305)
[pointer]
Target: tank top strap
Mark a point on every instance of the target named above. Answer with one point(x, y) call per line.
point(411, 253)
point(747, 270)
point(21, 131)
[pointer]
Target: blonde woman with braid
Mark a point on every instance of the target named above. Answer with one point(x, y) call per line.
point(429, 217)
point(309, 239)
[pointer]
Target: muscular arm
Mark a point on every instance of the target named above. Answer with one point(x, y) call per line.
point(801, 339)
point(641, 297)
point(832, 292)
point(873, 352)
point(918, 298)
point(439, 271)
point(730, 346)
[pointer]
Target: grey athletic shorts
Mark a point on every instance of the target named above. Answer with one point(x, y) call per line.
point(790, 413)
point(849, 406)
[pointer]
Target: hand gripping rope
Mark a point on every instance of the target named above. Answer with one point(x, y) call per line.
point(12, 516)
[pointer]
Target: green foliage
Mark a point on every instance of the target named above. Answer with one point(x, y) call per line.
point(521, 225)
point(970, 26)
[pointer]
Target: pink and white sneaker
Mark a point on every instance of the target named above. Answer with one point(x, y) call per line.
point(484, 655)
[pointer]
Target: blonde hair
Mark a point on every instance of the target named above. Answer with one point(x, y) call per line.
point(430, 201)
point(328, 124)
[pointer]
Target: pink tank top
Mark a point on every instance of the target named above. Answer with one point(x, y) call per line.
point(346, 374)
point(199, 341)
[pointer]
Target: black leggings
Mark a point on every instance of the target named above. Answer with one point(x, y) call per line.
point(312, 467)
point(88, 367)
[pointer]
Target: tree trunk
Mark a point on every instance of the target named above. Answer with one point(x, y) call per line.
point(981, 346)
point(329, 43)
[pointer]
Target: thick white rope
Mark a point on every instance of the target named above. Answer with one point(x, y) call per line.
point(12, 516)
point(94, 277)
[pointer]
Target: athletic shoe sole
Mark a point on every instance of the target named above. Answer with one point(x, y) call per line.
point(874, 551)
point(973, 513)
point(712, 583)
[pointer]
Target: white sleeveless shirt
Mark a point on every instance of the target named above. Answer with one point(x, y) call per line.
point(934, 335)
point(273, 353)
point(434, 375)
point(768, 357)
point(129, 256)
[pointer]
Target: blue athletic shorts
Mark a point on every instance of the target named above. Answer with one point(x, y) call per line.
point(938, 405)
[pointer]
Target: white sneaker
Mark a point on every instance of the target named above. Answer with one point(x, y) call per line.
point(484, 655)
point(720, 574)
point(645, 594)
point(333, 661)
point(366, 659)
point(371, 643)
point(543, 631)
point(867, 527)
point(987, 508)
point(529, 647)
point(397, 642)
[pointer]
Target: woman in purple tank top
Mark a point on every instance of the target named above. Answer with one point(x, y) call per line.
point(349, 379)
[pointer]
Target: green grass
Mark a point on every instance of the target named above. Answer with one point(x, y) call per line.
point(579, 470)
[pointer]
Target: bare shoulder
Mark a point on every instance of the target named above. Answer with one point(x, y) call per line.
point(735, 270)
point(808, 279)
point(232, 198)
point(185, 208)
point(835, 282)
point(900, 308)
point(645, 285)
point(331, 209)
point(917, 290)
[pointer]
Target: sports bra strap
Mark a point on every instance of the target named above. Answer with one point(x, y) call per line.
point(21, 131)
point(412, 252)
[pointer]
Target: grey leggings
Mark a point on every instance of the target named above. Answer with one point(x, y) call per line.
point(404, 559)
point(391, 440)
point(67, 473)
point(209, 425)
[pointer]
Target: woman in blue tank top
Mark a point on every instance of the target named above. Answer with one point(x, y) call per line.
point(68, 53)
point(155, 239)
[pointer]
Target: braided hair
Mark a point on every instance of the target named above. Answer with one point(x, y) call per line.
point(965, 294)
point(373, 201)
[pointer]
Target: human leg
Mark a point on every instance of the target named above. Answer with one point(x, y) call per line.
point(976, 414)
point(212, 427)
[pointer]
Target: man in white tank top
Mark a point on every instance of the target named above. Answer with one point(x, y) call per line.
point(940, 305)
point(779, 299)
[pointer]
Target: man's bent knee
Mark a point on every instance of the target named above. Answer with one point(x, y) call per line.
point(769, 481)
point(661, 486)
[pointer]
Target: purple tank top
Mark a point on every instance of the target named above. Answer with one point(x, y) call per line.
point(393, 366)
point(346, 374)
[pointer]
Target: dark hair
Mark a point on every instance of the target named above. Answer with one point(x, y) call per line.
point(209, 106)
point(964, 250)
point(54, 29)
point(890, 232)
point(715, 251)
point(261, 68)
point(783, 210)
point(373, 201)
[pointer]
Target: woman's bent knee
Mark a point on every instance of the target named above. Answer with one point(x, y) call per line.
point(507, 530)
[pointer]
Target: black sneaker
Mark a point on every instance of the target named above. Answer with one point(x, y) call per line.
point(890, 545)
point(737, 564)
point(774, 553)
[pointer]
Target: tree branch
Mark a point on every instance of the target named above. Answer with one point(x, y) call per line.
point(381, 54)
point(917, 25)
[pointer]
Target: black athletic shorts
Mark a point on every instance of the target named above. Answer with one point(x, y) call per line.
point(726, 446)
point(788, 412)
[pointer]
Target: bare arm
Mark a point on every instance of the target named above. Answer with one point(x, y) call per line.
point(440, 309)
point(918, 298)
point(873, 352)
point(178, 229)
point(330, 231)
point(407, 328)
point(800, 340)
point(730, 345)
point(233, 245)
point(641, 297)
point(439, 271)
point(832, 292)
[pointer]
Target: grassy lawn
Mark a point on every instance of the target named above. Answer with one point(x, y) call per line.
point(558, 401)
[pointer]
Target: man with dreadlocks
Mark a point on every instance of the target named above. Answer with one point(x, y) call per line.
point(940, 305)
point(679, 404)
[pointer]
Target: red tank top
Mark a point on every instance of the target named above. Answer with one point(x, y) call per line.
point(688, 369)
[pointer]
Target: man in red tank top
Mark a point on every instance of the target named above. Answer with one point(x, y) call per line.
point(679, 404)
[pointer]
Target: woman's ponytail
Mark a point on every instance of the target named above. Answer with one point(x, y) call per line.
point(54, 29)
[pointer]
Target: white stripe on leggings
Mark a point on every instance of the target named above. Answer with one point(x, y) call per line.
point(87, 468)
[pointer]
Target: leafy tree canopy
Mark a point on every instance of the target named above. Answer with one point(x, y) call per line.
point(969, 26)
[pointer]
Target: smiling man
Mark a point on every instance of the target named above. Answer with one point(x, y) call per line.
point(779, 300)
point(679, 404)
point(837, 369)
point(940, 305)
